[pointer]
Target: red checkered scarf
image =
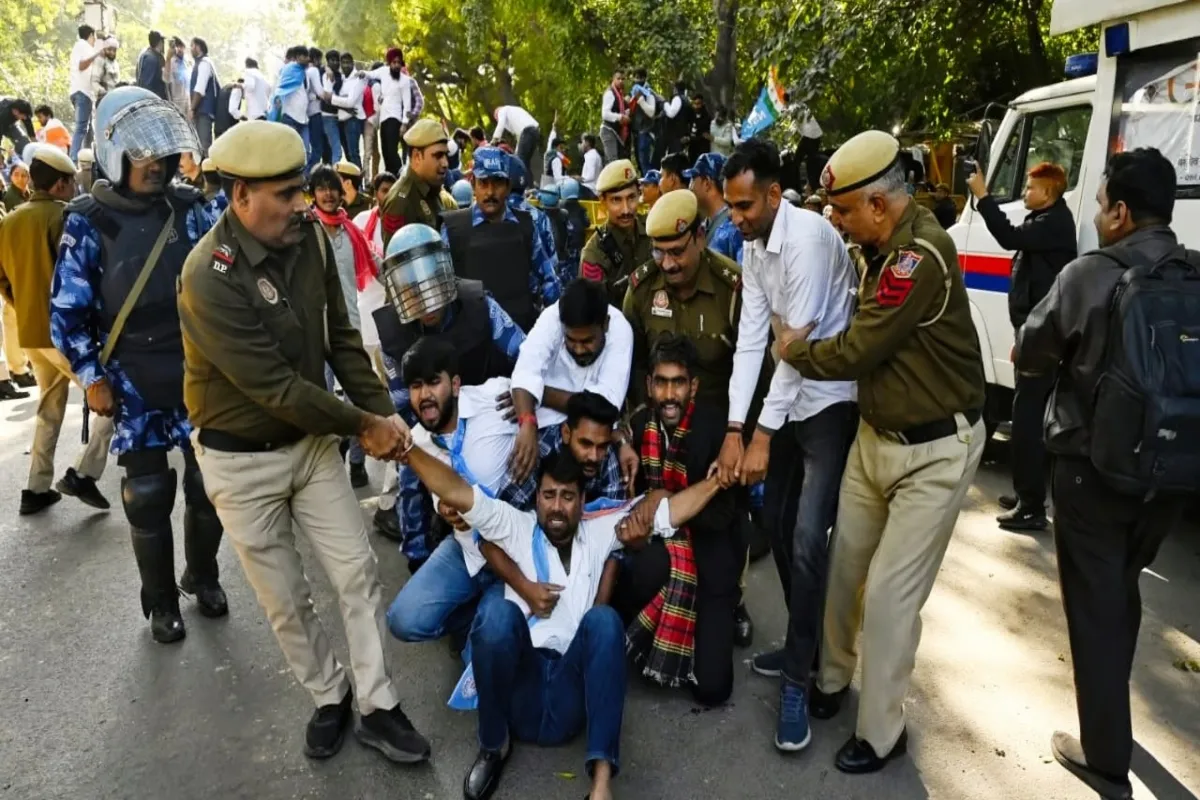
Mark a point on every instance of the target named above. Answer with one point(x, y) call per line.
point(663, 637)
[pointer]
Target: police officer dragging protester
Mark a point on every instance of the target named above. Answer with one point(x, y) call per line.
point(262, 311)
point(113, 315)
point(620, 245)
point(500, 246)
point(427, 299)
point(417, 193)
point(912, 348)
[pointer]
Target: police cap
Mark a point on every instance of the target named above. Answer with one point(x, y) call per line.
point(673, 215)
point(207, 165)
point(86, 156)
point(424, 132)
point(347, 168)
point(259, 150)
point(54, 158)
point(860, 161)
point(616, 176)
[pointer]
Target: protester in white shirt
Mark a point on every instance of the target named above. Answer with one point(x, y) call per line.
point(314, 90)
point(395, 107)
point(522, 691)
point(525, 132)
point(349, 103)
point(257, 90)
point(580, 343)
point(80, 85)
point(795, 270)
point(593, 164)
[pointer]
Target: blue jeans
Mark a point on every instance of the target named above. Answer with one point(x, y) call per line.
point(333, 136)
point(440, 598)
point(301, 129)
point(354, 132)
point(316, 139)
point(83, 116)
point(807, 462)
point(546, 698)
point(645, 151)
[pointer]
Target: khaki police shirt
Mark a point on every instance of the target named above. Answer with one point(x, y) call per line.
point(410, 200)
point(634, 247)
point(910, 371)
point(255, 324)
point(709, 318)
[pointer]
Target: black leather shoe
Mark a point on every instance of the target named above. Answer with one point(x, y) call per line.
point(33, 502)
point(327, 728)
point(210, 597)
point(83, 489)
point(390, 732)
point(1023, 519)
point(484, 775)
point(166, 626)
point(10, 392)
point(1008, 501)
point(1069, 752)
point(825, 706)
point(387, 524)
point(743, 626)
point(25, 380)
point(856, 757)
point(358, 476)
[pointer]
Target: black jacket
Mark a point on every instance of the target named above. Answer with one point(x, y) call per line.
point(19, 133)
point(1066, 334)
point(1045, 243)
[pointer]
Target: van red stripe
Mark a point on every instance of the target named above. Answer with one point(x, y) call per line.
point(985, 264)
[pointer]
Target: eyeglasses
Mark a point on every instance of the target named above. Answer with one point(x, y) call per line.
point(675, 253)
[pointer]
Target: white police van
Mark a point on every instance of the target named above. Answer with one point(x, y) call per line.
point(1143, 93)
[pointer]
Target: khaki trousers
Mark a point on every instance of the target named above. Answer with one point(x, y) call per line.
point(262, 500)
point(896, 512)
point(54, 378)
point(13, 354)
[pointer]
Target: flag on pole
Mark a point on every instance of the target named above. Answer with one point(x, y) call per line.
point(768, 108)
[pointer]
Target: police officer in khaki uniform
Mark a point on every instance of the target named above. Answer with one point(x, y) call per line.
point(692, 291)
point(913, 349)
point(262, 312)
point(620, 245)
point(417, 193)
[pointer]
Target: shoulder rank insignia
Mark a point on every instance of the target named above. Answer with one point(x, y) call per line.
point(639, 275)
point(222, 259)
point(906, 263)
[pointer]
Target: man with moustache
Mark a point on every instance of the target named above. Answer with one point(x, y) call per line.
point(113, 316)
point(547, 678)
point(416, 195)
point(678, 598)
point(620, 245)
point(263, 312)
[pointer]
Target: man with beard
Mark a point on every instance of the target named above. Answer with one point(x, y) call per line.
point(263, 312)
point(567, 352)
point(416, 196)
point(396, 111)
point(709, 187)
point(113, 316)
point(461, 426)
point(620, 245)
point(544, 680)
point(677, 598)
point(204, 88)
point(794, 267)
point(501, 245)
point(428, 300)
point(615, 115)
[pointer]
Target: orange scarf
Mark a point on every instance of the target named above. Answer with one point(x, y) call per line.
point(365, 269)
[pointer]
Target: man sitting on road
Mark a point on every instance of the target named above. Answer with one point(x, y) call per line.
point(547, 679)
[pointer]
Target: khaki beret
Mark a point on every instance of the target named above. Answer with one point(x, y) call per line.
point(85, 156)
point(860, 161)
point(54, 158)
point(259, 150)
point(616, 176)
point(207, 165)
point(673, 214)
point(347, 168)
point(424, 132)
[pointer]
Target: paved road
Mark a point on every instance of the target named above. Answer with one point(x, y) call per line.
point(91, 708)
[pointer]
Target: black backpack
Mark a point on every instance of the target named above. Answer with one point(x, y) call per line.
point(1146, 425)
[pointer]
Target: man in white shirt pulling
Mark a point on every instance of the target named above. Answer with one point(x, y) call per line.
point(547, 678)
point(257, 90)
point(524, 129)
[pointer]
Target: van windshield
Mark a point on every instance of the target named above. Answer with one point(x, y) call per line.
point(1157, 104)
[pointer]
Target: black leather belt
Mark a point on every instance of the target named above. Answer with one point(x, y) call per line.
point(932, 431)
point(229, 443)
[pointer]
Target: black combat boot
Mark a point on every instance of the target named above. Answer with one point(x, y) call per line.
point(201, 539)
point(148, 500)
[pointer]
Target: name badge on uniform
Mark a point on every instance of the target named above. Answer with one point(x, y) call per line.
point(425, 210)
point(268, 291)
point(661, 305)
point(222, 259)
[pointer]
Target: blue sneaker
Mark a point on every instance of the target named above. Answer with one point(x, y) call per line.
point(792, 733)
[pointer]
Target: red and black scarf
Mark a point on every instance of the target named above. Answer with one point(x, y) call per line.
point(663, 637)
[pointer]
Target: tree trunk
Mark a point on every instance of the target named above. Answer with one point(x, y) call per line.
point(1037, 46)
point(503, 77)
point(723, 76)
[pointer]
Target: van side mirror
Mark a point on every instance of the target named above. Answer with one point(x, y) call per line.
point(983, 144)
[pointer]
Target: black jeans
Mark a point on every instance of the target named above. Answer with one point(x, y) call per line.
point(1028, 439)
point(800, 507)
point(389, 143)
point(809, 150)
point(527, 145)
point(1104, 540)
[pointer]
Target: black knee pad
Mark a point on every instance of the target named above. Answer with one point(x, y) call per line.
point(149, 499)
